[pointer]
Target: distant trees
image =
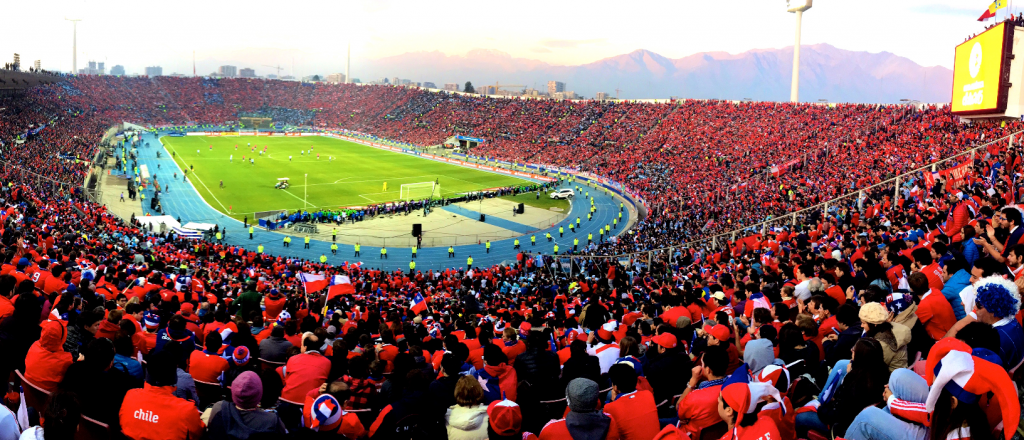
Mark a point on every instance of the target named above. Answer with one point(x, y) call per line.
point(469, 87)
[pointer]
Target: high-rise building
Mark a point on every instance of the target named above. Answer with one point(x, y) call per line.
point(555, 87)
point(429, 85)
point(246, 72)
point(406, 82)
point(396, 81)
point(227, 71)
point(451, 87)
point(101, 68)
point(601, 96)
point(154, 71)
point(117, 70)
point(336, 78)
point(17, 61)
point(36, 65)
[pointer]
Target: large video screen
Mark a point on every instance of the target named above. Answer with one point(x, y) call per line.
point(978, 73)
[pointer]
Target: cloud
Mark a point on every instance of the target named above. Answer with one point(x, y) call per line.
point(570, 44)
point(540, 50)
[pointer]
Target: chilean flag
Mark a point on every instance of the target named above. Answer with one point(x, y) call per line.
point(340, 285)
point(418, 303)
point(313, 283)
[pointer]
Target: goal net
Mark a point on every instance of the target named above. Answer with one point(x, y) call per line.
point(419, 191)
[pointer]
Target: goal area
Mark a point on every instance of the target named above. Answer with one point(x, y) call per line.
point(420, 191)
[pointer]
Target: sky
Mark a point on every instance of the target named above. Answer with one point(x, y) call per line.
point(311, 37)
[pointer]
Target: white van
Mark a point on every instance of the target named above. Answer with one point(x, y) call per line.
point(563, 194)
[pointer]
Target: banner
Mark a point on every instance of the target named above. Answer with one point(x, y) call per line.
point(953, 177)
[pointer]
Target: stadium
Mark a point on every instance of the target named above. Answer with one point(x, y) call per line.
point(232, 258)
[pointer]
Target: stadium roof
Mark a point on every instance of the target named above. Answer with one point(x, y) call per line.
point(14, 80)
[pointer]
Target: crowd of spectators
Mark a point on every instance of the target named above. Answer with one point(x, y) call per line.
point(881, 318)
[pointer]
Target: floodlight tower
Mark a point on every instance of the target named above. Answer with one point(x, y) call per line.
point(348, 65)
point(798, 7)
point(74, 44)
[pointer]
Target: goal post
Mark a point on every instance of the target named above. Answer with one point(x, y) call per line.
point(419, 191)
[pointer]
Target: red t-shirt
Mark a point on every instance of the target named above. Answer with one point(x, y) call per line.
point(672, 315)
point(154, 413)
point(557, 430)
point(699, 410)
point(936, 314)
point(636, 414)
point(302, 373)
point(763, 429)
point(934, 274)
point(206, 367)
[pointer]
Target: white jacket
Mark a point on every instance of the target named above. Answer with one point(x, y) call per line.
point(466, 422)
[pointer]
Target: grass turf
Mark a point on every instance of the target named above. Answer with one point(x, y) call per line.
point(544, 202)
point(355, 177)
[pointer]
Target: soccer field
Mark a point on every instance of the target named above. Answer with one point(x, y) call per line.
point(355, 177)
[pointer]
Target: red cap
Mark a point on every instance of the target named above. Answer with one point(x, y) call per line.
point(667, 340)
point(719, 332)
point(187, 309)
point(504, 417)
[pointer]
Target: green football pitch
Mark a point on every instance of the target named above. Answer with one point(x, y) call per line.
point(355, 177)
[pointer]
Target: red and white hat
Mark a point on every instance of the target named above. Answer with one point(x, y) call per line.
point(775, 375)
point(504, 417)
point(606, 331)
point(951, 367)
point(323, 414)
point(744, 397)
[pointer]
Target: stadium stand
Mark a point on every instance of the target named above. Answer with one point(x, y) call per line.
point(866, 320)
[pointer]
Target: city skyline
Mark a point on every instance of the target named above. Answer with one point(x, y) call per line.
point(562, 34)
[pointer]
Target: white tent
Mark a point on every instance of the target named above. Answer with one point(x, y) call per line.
point(156, 220)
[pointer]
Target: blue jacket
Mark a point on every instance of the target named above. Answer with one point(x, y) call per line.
point(951, 291)
point(971, 252)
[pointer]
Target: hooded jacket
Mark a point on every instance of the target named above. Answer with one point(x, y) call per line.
point(500, 379)
point(47, 361)
point(466, 422)
point(951, 290)
point(894, 345)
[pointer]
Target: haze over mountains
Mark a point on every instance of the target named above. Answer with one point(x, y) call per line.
point(827, 72)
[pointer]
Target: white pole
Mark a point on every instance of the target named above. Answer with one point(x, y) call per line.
point(794, 94)
point(74, 47)
point(348, 65)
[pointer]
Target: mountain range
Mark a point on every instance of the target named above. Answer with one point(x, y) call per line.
point(826, 72)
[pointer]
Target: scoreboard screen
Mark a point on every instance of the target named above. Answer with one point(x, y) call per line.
point(978, 72)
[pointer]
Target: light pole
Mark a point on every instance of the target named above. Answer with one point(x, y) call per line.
point(348, 65)
point(74, 44)
point(799, 7)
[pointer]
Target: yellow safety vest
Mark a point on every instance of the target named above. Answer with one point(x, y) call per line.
point(383, 251)
point(469, 261)
point(307, 239)
point(412, 265)
point(575, 241)
point(288, 239)
point(250, 229)
point(414, 249)
point(556, 248)
point(533, 238)
point(323, 258)
point(488, 244)
point(590, 236)
point(259, 249)
point(517, 241)
point(357, 248)
point(561, 229)
point(334, 246)
point(451, 249)
point(218, 236)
